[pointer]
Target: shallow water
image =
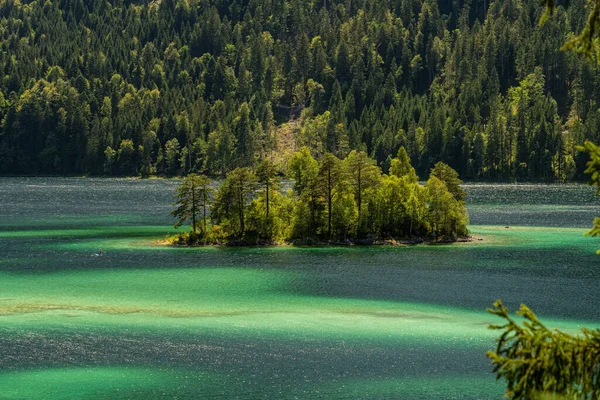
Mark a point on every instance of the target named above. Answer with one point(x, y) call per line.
point(145, 321)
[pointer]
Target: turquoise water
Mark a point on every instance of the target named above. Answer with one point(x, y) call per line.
point(148, 321)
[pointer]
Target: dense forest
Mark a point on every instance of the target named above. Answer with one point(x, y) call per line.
point(171, 87)
point(348, 201)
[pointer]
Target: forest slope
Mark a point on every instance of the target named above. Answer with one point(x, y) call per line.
point(172, 87)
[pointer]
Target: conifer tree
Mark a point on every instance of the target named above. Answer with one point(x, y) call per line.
point(331, 174)
point(363, 175)
point(233, 197)
point(266, 174)
point(401, 166)
point(449, 176)
point(192, 198)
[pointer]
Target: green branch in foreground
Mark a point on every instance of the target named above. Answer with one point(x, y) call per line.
point(539, 363)
point(593, 170)
point(588, 41)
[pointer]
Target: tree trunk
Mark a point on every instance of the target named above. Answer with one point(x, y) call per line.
point(204, 209)
point(359, 192)
point(267, 200)
point(329, 202)
point(193, 207)
point(241, 210)
point(359, 200)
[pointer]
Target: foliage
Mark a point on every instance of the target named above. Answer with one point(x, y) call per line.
point(401, 166)
point(447, 215)
point(536, 361)
point(266, 174)
point(192, 198)
point(303, 169)
point(587, 41)
point(449, 177)
point(334, 200)
point(232, 200)
point(209, 86)
point(332, 179)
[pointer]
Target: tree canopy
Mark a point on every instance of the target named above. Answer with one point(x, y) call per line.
point(191, 200)
point(332, 200)
point(210, 86)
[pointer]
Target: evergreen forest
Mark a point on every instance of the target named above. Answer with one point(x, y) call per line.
point(172, 87)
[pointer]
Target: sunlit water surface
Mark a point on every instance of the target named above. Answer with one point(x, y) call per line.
point(146, 321)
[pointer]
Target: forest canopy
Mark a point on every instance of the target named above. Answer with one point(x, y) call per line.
point(173, 87)
point(342, 201)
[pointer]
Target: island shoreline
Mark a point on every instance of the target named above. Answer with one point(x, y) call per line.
point(322, 243)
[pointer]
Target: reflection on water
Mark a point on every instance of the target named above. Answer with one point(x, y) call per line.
point(358, 322)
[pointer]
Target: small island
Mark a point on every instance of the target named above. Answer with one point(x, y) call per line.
point(332, 201)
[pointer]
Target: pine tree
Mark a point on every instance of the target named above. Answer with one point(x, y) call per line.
point(363, 175)
point(331, 174)
point(191, 198)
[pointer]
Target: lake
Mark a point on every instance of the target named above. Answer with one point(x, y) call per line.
point(147, 321)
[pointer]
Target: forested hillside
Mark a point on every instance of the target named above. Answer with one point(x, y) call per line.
point(171, 87)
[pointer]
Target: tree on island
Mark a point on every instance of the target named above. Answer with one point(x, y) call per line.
point(331, 173)
point(268, 180)
point(191, 198)
point(401, 166)
point(233, 197)
point(363, 175)
point(304, 170)
point(332, 200)
point(266, 174)
point(446, 213)
point(450, 177)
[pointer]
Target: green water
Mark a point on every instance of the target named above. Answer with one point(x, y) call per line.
point(148, 321)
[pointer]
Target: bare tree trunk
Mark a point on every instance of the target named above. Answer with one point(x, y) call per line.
point(241, 211)
point(329, 199)
point(193, 207)
point(204, 209)
point(267, 199)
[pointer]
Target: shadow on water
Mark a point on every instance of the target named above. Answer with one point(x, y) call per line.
point(470, 276)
